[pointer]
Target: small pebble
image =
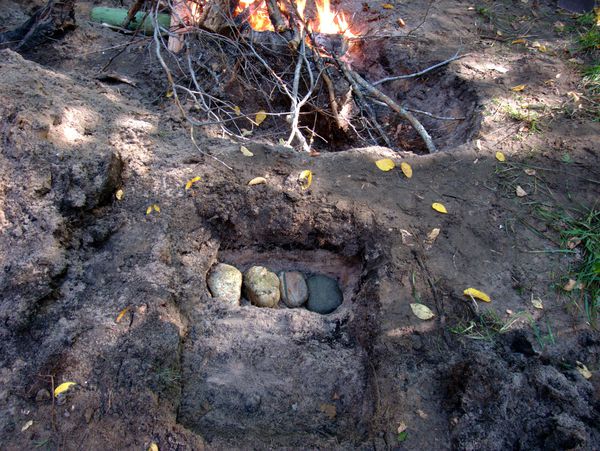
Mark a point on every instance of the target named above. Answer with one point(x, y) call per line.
point(225, 282)
point(42, 395)
point(294, 291)
point(261, 286)
point(324, 294)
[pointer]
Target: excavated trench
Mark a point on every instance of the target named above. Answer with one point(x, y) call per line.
point(285, 376)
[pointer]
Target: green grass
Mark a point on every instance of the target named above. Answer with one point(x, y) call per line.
point(529, 118)
point(591, 79)
point(485, 326)
point(581, 234)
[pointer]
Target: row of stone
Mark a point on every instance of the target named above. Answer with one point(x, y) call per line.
point(264, 288)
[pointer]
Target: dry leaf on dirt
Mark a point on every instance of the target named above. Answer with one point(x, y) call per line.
point(431, 237)
point(573, 243)
point(500, 156)
point(156, 208)
point(520, 192)
point(530, 171)
point(119, 194)
point(402, 427)
point(153, 447)
point(537, 303)
point(260, 117)
point(121, 314)
point(385, 164)
point(406, 169)
point(439, 207)
point(583, 370)
point(387, 6)
point(422, 311)
point(329, 410)
point(518, 88)
point(401, 22)
point(245, 132)
point(305, 179)
point(257, 181)
point(519, 41)
point(149, 210)
point(407, 238)
point(191, 181)
point(474, 293)
point(572, 284)
point(27, 425)
point(246, 152)
point(63, 388)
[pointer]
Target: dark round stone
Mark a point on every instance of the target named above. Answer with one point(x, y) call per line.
point(324, 294)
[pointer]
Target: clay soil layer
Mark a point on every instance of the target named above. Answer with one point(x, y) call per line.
point(101, 290)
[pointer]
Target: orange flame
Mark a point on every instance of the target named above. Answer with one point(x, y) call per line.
point(259, 14)
point(326, 22)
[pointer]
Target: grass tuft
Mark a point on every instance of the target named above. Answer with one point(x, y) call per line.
point(583, 235)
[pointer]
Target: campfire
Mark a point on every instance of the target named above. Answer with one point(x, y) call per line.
point(289, 61)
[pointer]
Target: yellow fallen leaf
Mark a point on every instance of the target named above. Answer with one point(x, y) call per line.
point(537, 303)
point(260, 117)
point(474, 293)
point(329, 410)
point(406, 169)
point(387, 6)
point(439, 207)
point(149, 210)
point(583, 370)
point(121, 314)
point(156, 208)
point(27, 425)
point(257, 181)
point(236, 110)
point(191, 181)
point(520, 192)
point(422, 311)
point(169, 94)
point(305, 179)
point(153, 447)
point(119, 194)
point(518, 88)
point(519, 41)
point(385, 164)
point(500, 156)
point(246, 152)
point(63, 388)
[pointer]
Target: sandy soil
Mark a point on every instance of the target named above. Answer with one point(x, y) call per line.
point(187, 372)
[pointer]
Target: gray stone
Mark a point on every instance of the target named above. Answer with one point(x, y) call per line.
point(225, 282)
point(324, 294)
point(294, 291)
point(261, 286)
point(42, 395)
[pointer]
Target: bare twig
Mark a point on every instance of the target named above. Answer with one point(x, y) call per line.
point(421, 72)
point(398, 109)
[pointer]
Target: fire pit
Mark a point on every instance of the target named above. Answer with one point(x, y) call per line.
point(292, 65)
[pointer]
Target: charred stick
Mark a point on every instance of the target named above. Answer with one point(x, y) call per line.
point(132, 12)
